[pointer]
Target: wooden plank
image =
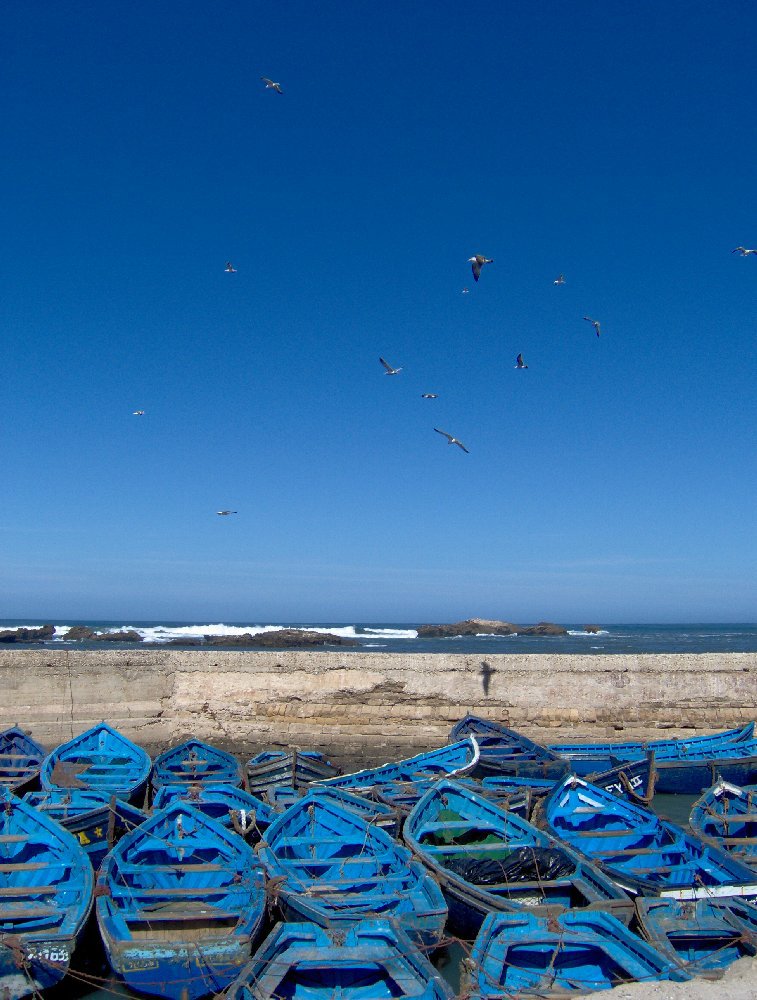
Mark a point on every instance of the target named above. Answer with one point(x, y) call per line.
point(31, 890)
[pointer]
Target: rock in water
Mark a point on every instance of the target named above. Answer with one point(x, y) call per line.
point(543, 628)
point(480, 626)
point(79, 632)
point(471, 626)
point(283, 638)
point(28, 634)
point(128, 636)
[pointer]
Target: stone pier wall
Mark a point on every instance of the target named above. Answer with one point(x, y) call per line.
point(368, 707)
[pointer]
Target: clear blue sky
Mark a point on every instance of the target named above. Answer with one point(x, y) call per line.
point(612, 481)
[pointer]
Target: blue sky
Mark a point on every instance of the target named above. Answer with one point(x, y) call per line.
point(612, 481)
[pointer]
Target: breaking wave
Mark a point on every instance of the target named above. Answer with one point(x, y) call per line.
point(167, 633)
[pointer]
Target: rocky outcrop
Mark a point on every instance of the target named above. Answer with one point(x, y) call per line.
point(283, 638)
point(11, 635)
point(81, 632)
point(591, 629)
point(471, 626)
point(543, 628)
point(480, 626)
point(129, 636)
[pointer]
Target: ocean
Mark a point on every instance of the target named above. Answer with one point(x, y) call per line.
point(392, 637)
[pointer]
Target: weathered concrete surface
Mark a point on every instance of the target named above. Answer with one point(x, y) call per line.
point(368, 706)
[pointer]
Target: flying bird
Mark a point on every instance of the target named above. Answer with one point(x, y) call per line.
point(138, 413)
point(389, 369)
point(743, 251)
point(225, 513)
point(519, 362)
point(429, 395)
point(452, 440)
point(477, 262)
point(559, 280)
point(270, 85)
point(230, 269)
point(594, 323)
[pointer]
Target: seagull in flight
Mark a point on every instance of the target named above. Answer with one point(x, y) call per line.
point(519, 362)
point(389, 369)
point(452, 440)
point(594, 323)
point(230, 269)
point(225, 513)
point(138, 413)
point(429, 395)
point(559, 280)
point(743, 251)
point(477, 262)
point(270, 85)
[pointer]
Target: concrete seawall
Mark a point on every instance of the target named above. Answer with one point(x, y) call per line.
point(368, 707)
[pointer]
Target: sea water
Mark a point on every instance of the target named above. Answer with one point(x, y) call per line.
point(390, 637)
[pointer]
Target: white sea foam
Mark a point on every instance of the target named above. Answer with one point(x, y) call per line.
point(166, 633)
point(602, 631)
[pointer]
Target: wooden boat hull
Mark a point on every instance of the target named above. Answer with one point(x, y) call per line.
point(639, 851)
point(279, 768)
point(505, 751)
point(234, 808)
point(98, 823)
point(180, 901)
point(698, 935)
point(20, 760)
point(196, 763)
point(453, 759)
point(100, 760)
point(487, 860)
point(637, 749)
point(692, 777)
point(520, 955)
point(45, 898)
point(373, 959)
point(727, 815)
point(328, 866)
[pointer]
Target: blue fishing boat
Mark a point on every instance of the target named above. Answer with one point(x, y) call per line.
point(180, 901)
point(641, 852)
point(505, 751)
point(100, 760)
point(635, 781)
point(20, 759)
point(640, 748)
point(289, 769)
point(512, 794)
point(591, 758)
point(372, 960)
point(699, 935)
point(486, 860)
point(526, 955)
point(332, 868)
point(97, 821)
point(45, 898)
point(690, 775)
point(453, 759)
point(727, 815)
point(194, 763)
point(368, 808)
point(236, 809)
